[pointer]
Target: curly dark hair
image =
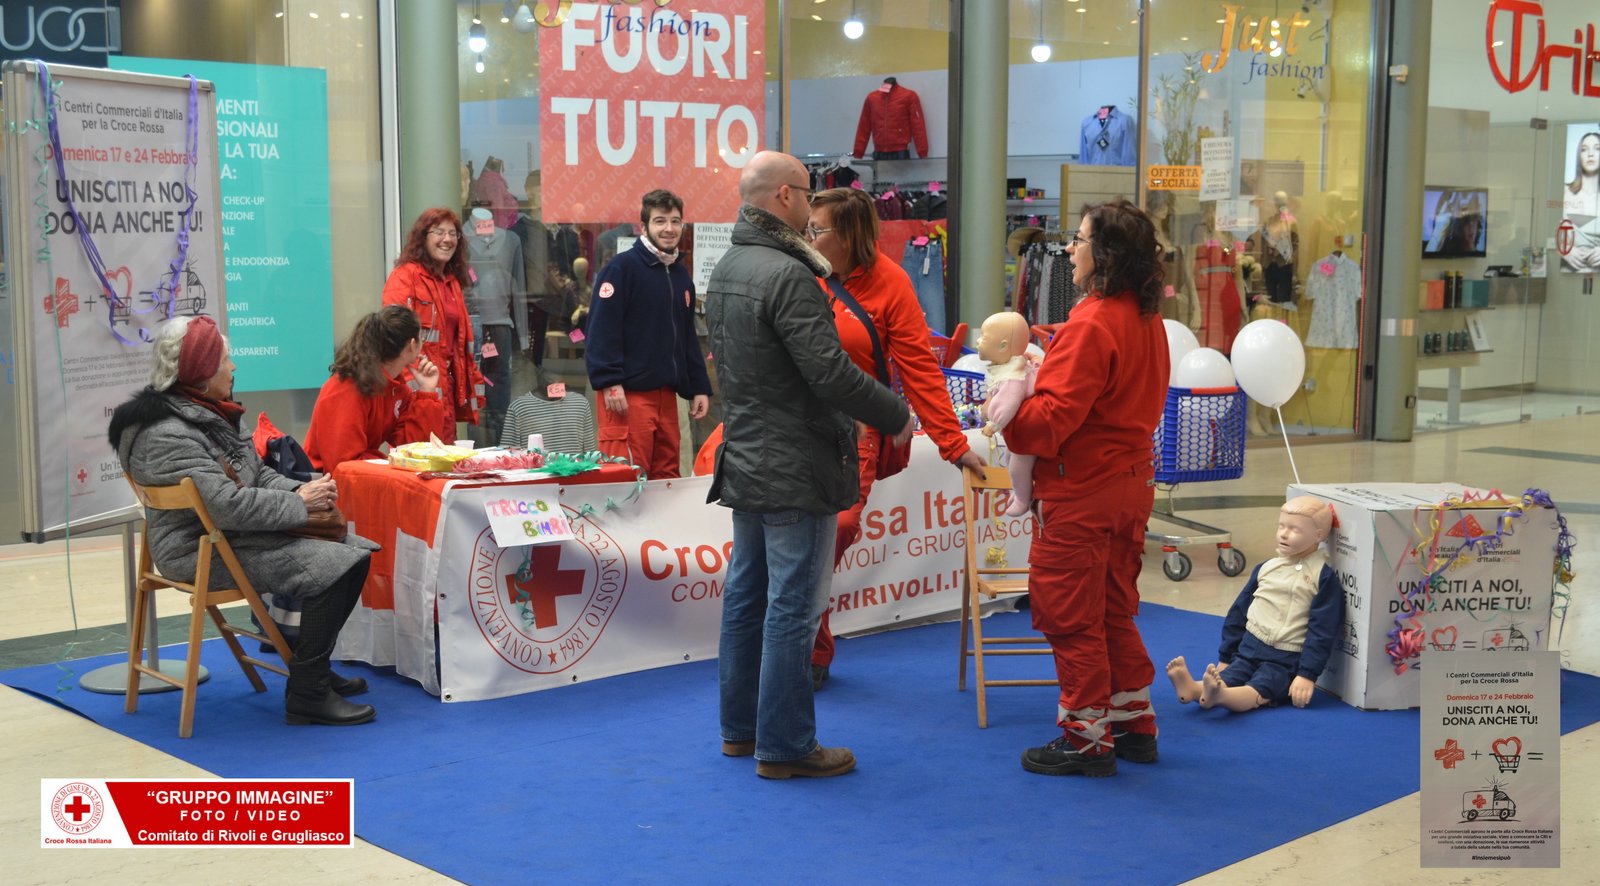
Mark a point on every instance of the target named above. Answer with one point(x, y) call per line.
point(1122, 240)
point(416, 248)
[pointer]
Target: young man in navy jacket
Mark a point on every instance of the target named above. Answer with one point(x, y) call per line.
point(642, 351)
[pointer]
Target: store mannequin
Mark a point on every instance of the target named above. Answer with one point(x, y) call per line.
point(1275, 245)
point(1335, 227)
point(1218, 283)
point(497, 301)
point(544, 296)
point(1003, 342)
point(566, 422)
point(1279, 634)
point(1108, 137)
point(891, 118)
point(1181, 302)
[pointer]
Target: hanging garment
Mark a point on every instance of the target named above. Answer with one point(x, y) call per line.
point(1108, 140)
point(1334, 287)
point(1218, 293)
point(893, 120)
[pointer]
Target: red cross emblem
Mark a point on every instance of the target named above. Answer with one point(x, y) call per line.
point(545, 582)
point(78, 808)
point(1497, 638)
point(1468, 527)
point(1449, 755)
point(1479, 802)
point(64, 302)
point(82, 475)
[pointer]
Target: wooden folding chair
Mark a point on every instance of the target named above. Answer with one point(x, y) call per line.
point(186, 496)
point(988, 581)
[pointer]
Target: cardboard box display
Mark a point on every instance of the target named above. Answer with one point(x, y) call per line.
point(1499, 599)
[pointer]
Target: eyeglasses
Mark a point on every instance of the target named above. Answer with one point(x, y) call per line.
point(812, 232)
point(811, 196)
point(445, 233)
point(1078, 239)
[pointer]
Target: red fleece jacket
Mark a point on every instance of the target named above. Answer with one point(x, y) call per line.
point(346, 426)
point(1099, 396)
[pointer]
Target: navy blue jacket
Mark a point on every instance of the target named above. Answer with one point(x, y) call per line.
point(641, 327)
point(1322, 628)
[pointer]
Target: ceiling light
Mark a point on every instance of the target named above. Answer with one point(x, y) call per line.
point(853, 28)
point(479, 65)
point(1041, 49)
point(477, 38)
point(523, 20)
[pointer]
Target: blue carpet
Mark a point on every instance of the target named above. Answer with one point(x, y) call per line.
point(621, 780)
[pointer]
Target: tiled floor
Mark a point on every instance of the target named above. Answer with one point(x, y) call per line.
point(1380, 846)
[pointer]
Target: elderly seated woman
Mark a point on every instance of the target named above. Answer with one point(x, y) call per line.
point(186, 424)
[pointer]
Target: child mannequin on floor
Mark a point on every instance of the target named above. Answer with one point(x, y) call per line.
point(1003, 341)
point(1279, 633)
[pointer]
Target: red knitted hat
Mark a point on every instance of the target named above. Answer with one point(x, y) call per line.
point(201, 352)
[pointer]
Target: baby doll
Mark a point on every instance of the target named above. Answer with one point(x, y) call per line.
point(1003, 341)
point(1279, 633)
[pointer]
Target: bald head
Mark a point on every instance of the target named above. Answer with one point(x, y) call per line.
point(764, 177)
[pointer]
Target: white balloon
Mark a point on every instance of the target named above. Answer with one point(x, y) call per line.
point(970, 363)
point(1269, 361)
point(1180, 341)
point(1203, 368)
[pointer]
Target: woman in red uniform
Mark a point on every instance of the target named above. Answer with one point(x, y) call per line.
point(844, 229)
point(428, 278)
point(364, 404)
point(1100, 392)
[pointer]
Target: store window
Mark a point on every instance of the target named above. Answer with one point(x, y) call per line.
point(570, 114)
point(1511, 240)
point(1257, 116)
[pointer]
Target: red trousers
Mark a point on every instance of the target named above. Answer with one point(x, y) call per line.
point(647, 435)
point(849, 533)
point(1084, 589)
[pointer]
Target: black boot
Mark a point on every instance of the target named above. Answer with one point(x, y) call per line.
point(310, 697)
point(346, 686)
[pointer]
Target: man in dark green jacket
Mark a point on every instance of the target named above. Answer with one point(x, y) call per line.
point(787, 466)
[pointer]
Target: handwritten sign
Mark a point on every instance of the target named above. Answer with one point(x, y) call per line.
point(525, 517)
point(1173, 178)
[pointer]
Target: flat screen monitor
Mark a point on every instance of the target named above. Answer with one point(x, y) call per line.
point(1454, 221)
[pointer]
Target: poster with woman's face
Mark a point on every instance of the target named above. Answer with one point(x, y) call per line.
point(1580, 198)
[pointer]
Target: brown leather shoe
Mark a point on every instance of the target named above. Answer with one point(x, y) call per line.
point(738, 748)
point(820, 763)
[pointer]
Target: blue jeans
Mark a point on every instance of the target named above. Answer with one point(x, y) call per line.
point(925, 266)
point(778, 582)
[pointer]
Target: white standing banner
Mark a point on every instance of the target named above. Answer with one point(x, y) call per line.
point(642, 584)
point(113, 202)
point(1491, 760)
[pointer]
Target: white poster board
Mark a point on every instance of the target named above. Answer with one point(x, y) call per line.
point(1216, 168)
point(1491, 760)
point(124, 166)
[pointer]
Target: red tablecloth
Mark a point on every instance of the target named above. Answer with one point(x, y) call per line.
point(380, 501)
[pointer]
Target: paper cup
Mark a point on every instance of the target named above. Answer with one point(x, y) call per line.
point(467, 444)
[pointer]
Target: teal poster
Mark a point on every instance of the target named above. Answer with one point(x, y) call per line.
point(272, 147)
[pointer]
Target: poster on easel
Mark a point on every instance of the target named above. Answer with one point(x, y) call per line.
point(112, 182)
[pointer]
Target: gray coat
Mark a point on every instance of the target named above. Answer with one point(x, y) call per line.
point(791, 395)
point(162, 438)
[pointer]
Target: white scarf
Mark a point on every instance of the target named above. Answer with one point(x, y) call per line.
point(667, 258)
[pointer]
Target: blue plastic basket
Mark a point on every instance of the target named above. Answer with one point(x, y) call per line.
point(967, 393)
point(1201, 435)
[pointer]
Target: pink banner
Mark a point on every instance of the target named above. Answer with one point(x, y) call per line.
point(650, 96)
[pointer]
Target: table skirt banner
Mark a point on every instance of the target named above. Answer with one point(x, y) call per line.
point(642, 584)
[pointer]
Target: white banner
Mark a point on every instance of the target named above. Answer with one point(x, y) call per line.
point(1216, 168)
point(642, 585)
point(117, 179)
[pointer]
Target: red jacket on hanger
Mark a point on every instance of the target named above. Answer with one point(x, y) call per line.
point(893, 120)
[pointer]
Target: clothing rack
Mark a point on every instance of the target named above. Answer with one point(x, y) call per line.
point(1044, 292)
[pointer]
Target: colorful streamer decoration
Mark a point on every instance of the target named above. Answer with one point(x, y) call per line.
point(163, 295)
point(1405, 639)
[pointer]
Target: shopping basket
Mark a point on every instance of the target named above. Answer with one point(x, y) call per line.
point(1200, 437)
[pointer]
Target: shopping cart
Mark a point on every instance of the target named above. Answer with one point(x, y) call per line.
point(1200, 438)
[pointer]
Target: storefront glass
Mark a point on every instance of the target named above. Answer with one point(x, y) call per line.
point(1255, 133)
point(1511, 244)
point(571, 114)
